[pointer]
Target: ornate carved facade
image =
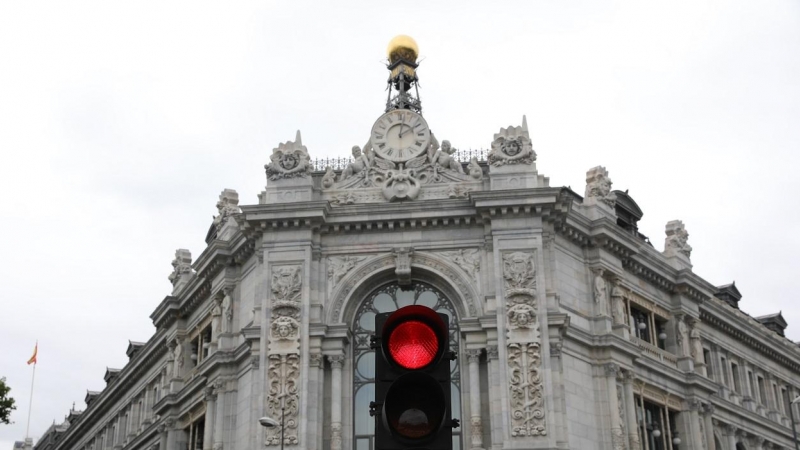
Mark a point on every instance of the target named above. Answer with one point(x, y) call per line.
point(571, 330)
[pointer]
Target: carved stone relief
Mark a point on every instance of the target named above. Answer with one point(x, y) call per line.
point(289, 160)
point(598, 187)
point(181, 265)
point(512, 145)
point(283, 359)
point(227, 206)
point(339, 266)
point(524, 346)
point(677, 240)
point(402, 257)
point(469, 260)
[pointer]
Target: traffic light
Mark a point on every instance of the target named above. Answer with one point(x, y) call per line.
point(412, 380)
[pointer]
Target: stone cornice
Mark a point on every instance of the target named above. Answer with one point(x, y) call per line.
point(747, 330)
point(151, 353)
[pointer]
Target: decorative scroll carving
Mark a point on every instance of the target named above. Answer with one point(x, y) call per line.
point(474, 169)
point(284, 375)
point(598, 187)
point(283, 370)
point(477, 431)
point(469, 260)
point(181, 265)
point(338, 266)
point(492, 352)
point(402, 258)
point(329, 178)
point(677, 241)
point(512, 145)
point(289, 160)
point(524, 346)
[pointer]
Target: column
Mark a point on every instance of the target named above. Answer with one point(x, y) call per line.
point(162, 436)
point(730, 433)
point(130, 431)
point(708, 412)
point(473, 358)
point(495, 408)
point(337, 361)
point(617, 437)
point(693, 430)
point(219, 417)
point(209, 422)
point(630, 411)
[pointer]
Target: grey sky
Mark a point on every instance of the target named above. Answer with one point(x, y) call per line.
point(120, 123)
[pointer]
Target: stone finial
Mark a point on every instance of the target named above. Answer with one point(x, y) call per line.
point(227, 206)
point(512, 145)
point(677, 241)
point(181, 265)
point(598, 187)
point(289, 160)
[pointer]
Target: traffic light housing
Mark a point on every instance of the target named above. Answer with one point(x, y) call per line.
point(412, 380)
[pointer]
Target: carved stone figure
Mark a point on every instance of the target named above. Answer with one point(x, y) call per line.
point(598, 187)
point(182, 264)
point(329, 178)
point(677, 240)
point(682, 336)
point(177, 354)
point(227, 311)
point(521, 316)
point(286, 283)
point(338, 266)
point(512, 145)
point(696, 343)
point(227, 206)
point(360, 165)
point(289, 160)
point(599, 288)
point(443, 158)
point(618, 314)
point(474, 168)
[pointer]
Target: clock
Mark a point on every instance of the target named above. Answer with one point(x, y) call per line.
point(400, 135)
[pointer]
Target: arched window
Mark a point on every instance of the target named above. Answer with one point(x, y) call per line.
point(388, 298)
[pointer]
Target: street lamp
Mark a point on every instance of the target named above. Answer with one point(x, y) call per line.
point(791, 419)
point(269, 422)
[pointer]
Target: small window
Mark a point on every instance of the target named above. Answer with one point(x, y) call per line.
point(737, 383)
point(762, 391)
point(724, 374)
point(195, 432)
point(707, 359)
point(640, 322)
point(787, 402)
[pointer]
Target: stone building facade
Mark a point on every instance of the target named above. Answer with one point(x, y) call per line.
point(572, 330)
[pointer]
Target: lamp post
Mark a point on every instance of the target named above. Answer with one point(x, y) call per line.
point(269, 422)
point(791, 419)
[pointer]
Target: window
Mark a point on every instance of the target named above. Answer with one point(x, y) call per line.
point(657, 425)
point(752, 384)
point(707, 360)
point(386, 299)
point(640, 322)
point(762, 391)
point(195, 432)
point(200, 345)
point(737, 383)
point(724, 362)
point(777, 397)
point(648, 327)
point(787, 402)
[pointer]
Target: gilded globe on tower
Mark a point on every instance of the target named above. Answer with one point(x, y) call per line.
point(402, 47)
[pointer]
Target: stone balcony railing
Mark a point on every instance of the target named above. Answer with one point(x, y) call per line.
point(653, 352)
point(337, 164)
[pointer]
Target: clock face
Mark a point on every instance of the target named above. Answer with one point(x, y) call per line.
point(400, 135)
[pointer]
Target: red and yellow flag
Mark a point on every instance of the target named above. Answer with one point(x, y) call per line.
point(35, 352)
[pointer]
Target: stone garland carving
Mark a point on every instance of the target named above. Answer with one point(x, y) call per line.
point(339, 266)
point(618, 438)
point(227, 206)
point(524, 346)
point(512, 145)
point(598, 187)
point(181, 265)
point(703, 433)
point(677, 241)
point(469, 260)
point(283, 359)
point(289, 160)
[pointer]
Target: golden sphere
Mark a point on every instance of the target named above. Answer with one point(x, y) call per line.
point(402, 46)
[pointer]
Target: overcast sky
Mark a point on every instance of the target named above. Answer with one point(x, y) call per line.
point(121, 122)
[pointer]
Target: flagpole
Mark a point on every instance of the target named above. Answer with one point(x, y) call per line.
point(30, 402)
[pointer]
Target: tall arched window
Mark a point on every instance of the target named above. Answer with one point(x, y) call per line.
point(386, 299)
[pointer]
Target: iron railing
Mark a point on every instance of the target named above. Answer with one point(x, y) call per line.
point(462, 156)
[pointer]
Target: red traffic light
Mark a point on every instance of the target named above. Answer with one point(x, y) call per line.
point(413, 344)
point(414, 336)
